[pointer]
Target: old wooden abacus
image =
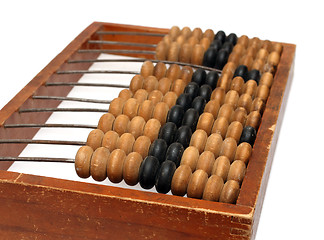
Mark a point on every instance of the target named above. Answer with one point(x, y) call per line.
point(237, 103)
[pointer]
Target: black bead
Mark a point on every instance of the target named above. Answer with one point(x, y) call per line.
point(221, 59)
point(212, 79)
point(199, 104)
point(175, 115)
point(205, 91)
point(192, 89)
point(241, 71)
point(228, 46)
point(221, 36)
point(167, 132)
point(158, 149)
point(164, 177)
point(248, 135)
point(190, 119)
point(217, 44)
point(174, 153)
point(210, 57)
point(148, 171)
point(254, 74)
point(184, 100)
point(232, 38)
point(183, 135)
point(199, 76)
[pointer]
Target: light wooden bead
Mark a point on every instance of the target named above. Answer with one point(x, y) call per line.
point(131, 108)
point(219, 95)
point(131, 167)
point(214, 144)
point(150, 83)
point(174, 32)
point(115, 165)
point(170, 98)
point(155, 96)
point(121, 124)
point(258, 64)
point(197, 54)
point(186, 74)
point(244, 40)
point(180, 40)
point(173, 53)
point(205, 122)
point(136, 126)
point(221, 167)
point(136, 83)
point(161, 50)
point(190, 157)
point(274, 58)
point(142, 145)
point(160, 112)
point(225, 81)
point(245, 101)
point(237, 84)
point(253, 120)
point(235, 58)
point(98, 165)
point(106, 122)
point(164, 85)
point(262, 54)
point(267, 45)
point(247, 60)
point(256, 42)
point(192, 41)
point(230, 192)
point(232, 98)
point(228, 148)
point(95, 138)
point(205, 42)
point(180, 180)
point(243, 152)
point(258, 105)
point(198, 140)
point(185, 53)
point(82, 161)
point(197, 184)
point(213, 188)
point(234, 131)
point(167, 40)
point(229, 68)
point(266, 79)
point(251, 51)
point(126, 142)
point(262, 92)
point(141, 95)
point(159, 70)
point(250, 88)
point(212, 107)
point(277, 47)
point(186, 32)
point(209, 33)
point(125, 94)
point(239, 115)
point(220, 126)
point(116, 106)
point(152, 128)
point(178, 86)
point(197, 32)
point(226, 111)
point(173, 72)
point(206, 161)
point(145, 110)
point(110, 140)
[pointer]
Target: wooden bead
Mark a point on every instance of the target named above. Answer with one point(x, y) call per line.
point(242, 71)
point(258, 64)
point(237, 84)
point(237, 171)
point(130, 108)
point(230, 192)
point(244, 40)
point(206, 161)
point(150, 83)
point(248, 135)
point(273, 58)
point(173, 72)
point(212, 107)
point(221, 167)
point(180, 40)
point(266, 79)
point(142, 145)
point(115, 165)
point(231, 98)
point(245, 101)
point(238, 49)
point(155, 96)
point(205, 42)
point(152, 128)
point(267, 45)
point(247, 60)
point(209, 33)
point(158, 149)
point(214, 143)
point(198, 140)
point(184, 100)
point(106, 122)
point(183, 135)
point(178, 86)
point(186, 32)
point(98, 165)
point(167, 132)
point(175, 115)
point(145, 109)
point(205, 122)
point(253, 119)
point(213, 188)
point(82, 161)
point(199, 104)
point(186, 74)
point(160, 112)
point(148, 170)
point(110, 140)
point(243, 152)
point(277, 47)
point(235, 58)
point(229, 68)
point(136, 83)
point(225, 81)
point(250, 88)
point(174, 32)
point(234, 131)
point(164, 177)
point(121, 124)
point(131, 167)
point(239, 115)
point(205, 91)
point(159, 70)
point(126, 142)
point(173, 53)
point(228, 148)
point(140, 95)
point(185, 53)
point(255, 42)
point(167, 40)
point(125, 94)
point(220, 126)
point(219, 95)
point(170, 98)
point(258, 105)
point(164, 85)
point(136, 126)
point(174, 153)
point(116, 106)
point(95, 138)
point(197, 54)
point(161, 51)
point(197, 184)
point(190, 157)
point(199, 76)
point(262, 92)
point(192, 41)
point(197, 32)
point(226, 111)
point(262, 54)
point(180, 180)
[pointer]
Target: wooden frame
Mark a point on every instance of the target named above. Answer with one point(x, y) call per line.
point(39, 207)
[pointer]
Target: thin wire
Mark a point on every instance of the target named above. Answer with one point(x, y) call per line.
point(33, 141)
point(48, 125)
point(37, 159)
point(122, 43)
point(72, 99)
point(86, 84)
point(130, 33)
point(26, 110)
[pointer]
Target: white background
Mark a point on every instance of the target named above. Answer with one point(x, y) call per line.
point(32, 33)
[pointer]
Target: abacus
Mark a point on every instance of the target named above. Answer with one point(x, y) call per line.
point(198, 119)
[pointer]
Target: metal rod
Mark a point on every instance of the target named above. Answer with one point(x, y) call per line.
point(86, 84)
point(72, 99)
point(96, 72)
point(62, 110)
point(116, 51)
point(48, 125)
point(33, 141)
point(130, 33)
point(122, 43)
point(37, 159)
